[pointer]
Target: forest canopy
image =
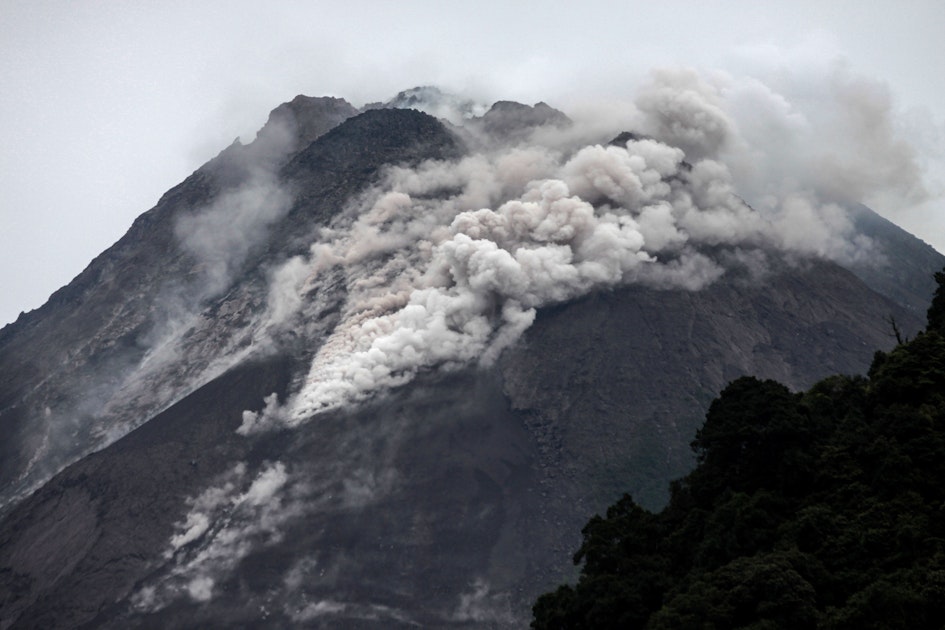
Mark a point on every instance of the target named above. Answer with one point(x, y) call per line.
point(817, 509)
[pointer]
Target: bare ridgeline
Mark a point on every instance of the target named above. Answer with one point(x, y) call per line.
point(377, 368)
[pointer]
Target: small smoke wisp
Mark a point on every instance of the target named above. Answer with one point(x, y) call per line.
point(481, 606)
point(221, 236)
point(225, 522)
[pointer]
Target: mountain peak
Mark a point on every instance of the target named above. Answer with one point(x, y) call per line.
point(510, 117)
point(303, 119)
point(418, 96)
point(430, 99)
point(502, 119)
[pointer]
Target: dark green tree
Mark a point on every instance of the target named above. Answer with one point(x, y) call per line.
point(753, 437)
point(936, 312)
point(821, 509)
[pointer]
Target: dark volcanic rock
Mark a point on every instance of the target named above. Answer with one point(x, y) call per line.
point(304, 119)
point(508, 118)
point(611, 381)
point(87, 537)
point(364, 144)
point(900, 267)
point(291, 127)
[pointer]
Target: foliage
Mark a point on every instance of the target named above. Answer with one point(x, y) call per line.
point(821, 509)
point(936, 313)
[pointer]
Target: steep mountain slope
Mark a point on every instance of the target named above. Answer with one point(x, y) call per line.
point(618, 405)
point(105, 353)
point(445, 500)
point(902, 271)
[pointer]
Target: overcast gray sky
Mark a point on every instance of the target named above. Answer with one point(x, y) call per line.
point(105, 105)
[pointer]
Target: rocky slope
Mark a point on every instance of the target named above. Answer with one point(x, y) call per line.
point(108, 351)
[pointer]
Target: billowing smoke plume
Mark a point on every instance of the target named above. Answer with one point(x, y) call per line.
point(444, 282)
point(823, 135)
point(685, 111)
point(445, 265)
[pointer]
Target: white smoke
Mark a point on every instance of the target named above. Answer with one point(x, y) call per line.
point(222, 235)
point(431, 100)
point(223, 525)
point(253, 420)
point(820, 132)
point(436, 278)
point(318, 609)
point(481, 606)
point(684, 110)
point(445, 264)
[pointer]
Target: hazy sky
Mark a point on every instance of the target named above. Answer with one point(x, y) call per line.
point(105, 105)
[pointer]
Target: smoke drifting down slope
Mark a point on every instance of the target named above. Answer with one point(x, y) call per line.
point(445, 265)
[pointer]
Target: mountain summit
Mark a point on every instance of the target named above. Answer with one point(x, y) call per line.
point(375, 368)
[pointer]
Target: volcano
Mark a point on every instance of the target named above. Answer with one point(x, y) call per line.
point(377, 367)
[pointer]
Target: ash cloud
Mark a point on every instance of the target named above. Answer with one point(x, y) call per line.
point(684, 110)
point(436, 281)
point(444, 265)
point(821, 133)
